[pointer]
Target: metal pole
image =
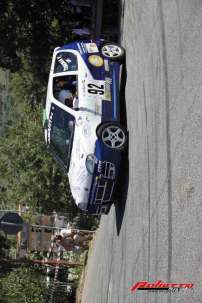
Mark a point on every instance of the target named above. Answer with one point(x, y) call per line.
point(60, 228)
point(10, 224)
point(58, 262)
point(48, 227)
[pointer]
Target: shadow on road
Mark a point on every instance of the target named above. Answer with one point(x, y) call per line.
point(122, 185)
point(121, 199)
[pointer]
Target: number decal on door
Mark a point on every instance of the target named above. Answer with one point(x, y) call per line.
point(96, 89)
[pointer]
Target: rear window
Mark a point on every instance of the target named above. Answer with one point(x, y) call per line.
point(64, 62)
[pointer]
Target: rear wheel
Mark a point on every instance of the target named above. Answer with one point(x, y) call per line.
point(113, 135)
point(113, 51)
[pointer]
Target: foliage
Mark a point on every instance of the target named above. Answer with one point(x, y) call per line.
point(22, 285)
point(89, 222)
point(4, 245)
point(29, 31)
point(29, 175)
point(28, 172)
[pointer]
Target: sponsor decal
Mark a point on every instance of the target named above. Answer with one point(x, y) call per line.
point(83, 87)
point(86, 131)
point(79, 120)
point(63, 62)
point(106, 64)
point(108, 82)
point(160, 286)
point(106, 169)
point(79, 47)
point(83, 47)
point(95, 89)
point(95, 92)
point(91, 48)
point(99, 168)
point(96, 60)
point(49, 125)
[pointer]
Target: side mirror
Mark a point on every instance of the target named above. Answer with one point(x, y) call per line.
point(45, 120)
point(45, 124)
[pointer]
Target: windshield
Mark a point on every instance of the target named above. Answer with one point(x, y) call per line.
point(64, 62)
point(61, 131)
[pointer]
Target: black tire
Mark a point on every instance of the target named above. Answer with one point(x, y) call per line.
point(118, 139)
point(109, 55)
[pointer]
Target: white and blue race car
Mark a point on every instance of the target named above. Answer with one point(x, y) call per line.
point(82, 120)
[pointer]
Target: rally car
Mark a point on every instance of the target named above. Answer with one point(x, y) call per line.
point(82, 120)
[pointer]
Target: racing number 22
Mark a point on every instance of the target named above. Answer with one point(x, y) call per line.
point(95, 89)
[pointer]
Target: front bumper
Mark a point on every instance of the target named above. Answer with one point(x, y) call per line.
point(103, 187)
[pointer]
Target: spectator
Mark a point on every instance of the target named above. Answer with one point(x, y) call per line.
point(66, 242)
point(79, 238)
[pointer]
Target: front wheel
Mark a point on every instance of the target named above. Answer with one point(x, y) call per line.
point(113, 135)
point(113, 52)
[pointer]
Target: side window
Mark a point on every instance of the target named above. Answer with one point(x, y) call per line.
point(61, 134)
point(65, 90)
point(60, 139)
point(64, 62)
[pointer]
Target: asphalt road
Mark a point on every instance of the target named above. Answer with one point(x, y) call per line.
point(155, 232)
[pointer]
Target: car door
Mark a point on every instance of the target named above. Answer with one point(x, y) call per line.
point(91, 91)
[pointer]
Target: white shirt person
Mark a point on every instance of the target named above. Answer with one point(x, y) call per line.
point(66, 97)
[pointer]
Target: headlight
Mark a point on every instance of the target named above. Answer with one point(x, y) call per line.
point(90, 163)
point(96, 60)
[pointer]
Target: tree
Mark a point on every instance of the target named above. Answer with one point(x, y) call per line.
point(4, 245)
point(28, 173)
point(22, 285)
point(29, 31)
point(29, 28)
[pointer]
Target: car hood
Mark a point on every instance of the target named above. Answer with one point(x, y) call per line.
point(80, 179)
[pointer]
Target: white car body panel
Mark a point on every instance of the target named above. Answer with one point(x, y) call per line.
point(98, 102)
point(87, 119)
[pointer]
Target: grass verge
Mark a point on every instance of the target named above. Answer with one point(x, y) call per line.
point(81, 282)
